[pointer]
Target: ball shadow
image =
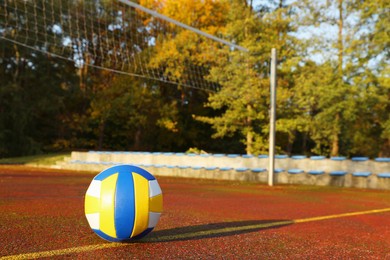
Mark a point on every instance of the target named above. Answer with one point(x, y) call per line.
point(213, 230)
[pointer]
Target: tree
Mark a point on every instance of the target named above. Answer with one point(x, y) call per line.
point(243, 98)
point(371, 132)
point(128, 113)
point(352, 102)
point(185, 57)
point(32, 87)
point(336, 104)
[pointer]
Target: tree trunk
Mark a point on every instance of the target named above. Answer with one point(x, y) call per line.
point(335, 146)
point(249, 142)
point(249, 133)
point(102, 126)
point(304, 143)
point(17, 61)
point(340, 46)
point(335, 137)
point(137, 139)
point(83, 72)
point(340, 39)
point(385, 151)
point(290, 142)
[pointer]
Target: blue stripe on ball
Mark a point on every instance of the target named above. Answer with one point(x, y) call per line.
point(124, 168)
point(124, 205)
point(140, 171)
point(109, 171)
point(106, 237)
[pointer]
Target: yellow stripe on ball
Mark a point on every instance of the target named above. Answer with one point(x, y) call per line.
point(92, 204)
point(107, 205)
point(141, 190)
point(156, 203)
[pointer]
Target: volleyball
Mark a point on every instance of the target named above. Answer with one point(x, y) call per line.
point(122, 203)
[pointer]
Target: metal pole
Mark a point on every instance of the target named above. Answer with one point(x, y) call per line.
point(271, 168)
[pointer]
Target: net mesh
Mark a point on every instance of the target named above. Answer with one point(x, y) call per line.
point(111, 35)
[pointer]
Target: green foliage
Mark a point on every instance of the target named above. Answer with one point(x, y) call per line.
point(244, 96)
point(338, 104)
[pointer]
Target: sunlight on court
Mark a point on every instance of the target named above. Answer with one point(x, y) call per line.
point(190, 235)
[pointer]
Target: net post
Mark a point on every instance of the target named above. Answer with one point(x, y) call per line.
point(271, 157)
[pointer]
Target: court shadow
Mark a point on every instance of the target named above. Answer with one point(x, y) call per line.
point(213, 230)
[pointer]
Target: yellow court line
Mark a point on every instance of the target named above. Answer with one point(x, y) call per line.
point(342, 215)
point(198, 234)
point(59, 252)
point(226, 230)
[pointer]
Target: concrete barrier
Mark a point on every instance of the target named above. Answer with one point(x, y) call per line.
point(358, 172)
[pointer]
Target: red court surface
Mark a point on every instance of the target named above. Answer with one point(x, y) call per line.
point(42, 216)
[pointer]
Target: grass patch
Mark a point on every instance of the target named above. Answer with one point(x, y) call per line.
point(41, 159)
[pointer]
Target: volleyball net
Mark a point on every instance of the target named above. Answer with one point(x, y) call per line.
point(115, 35)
